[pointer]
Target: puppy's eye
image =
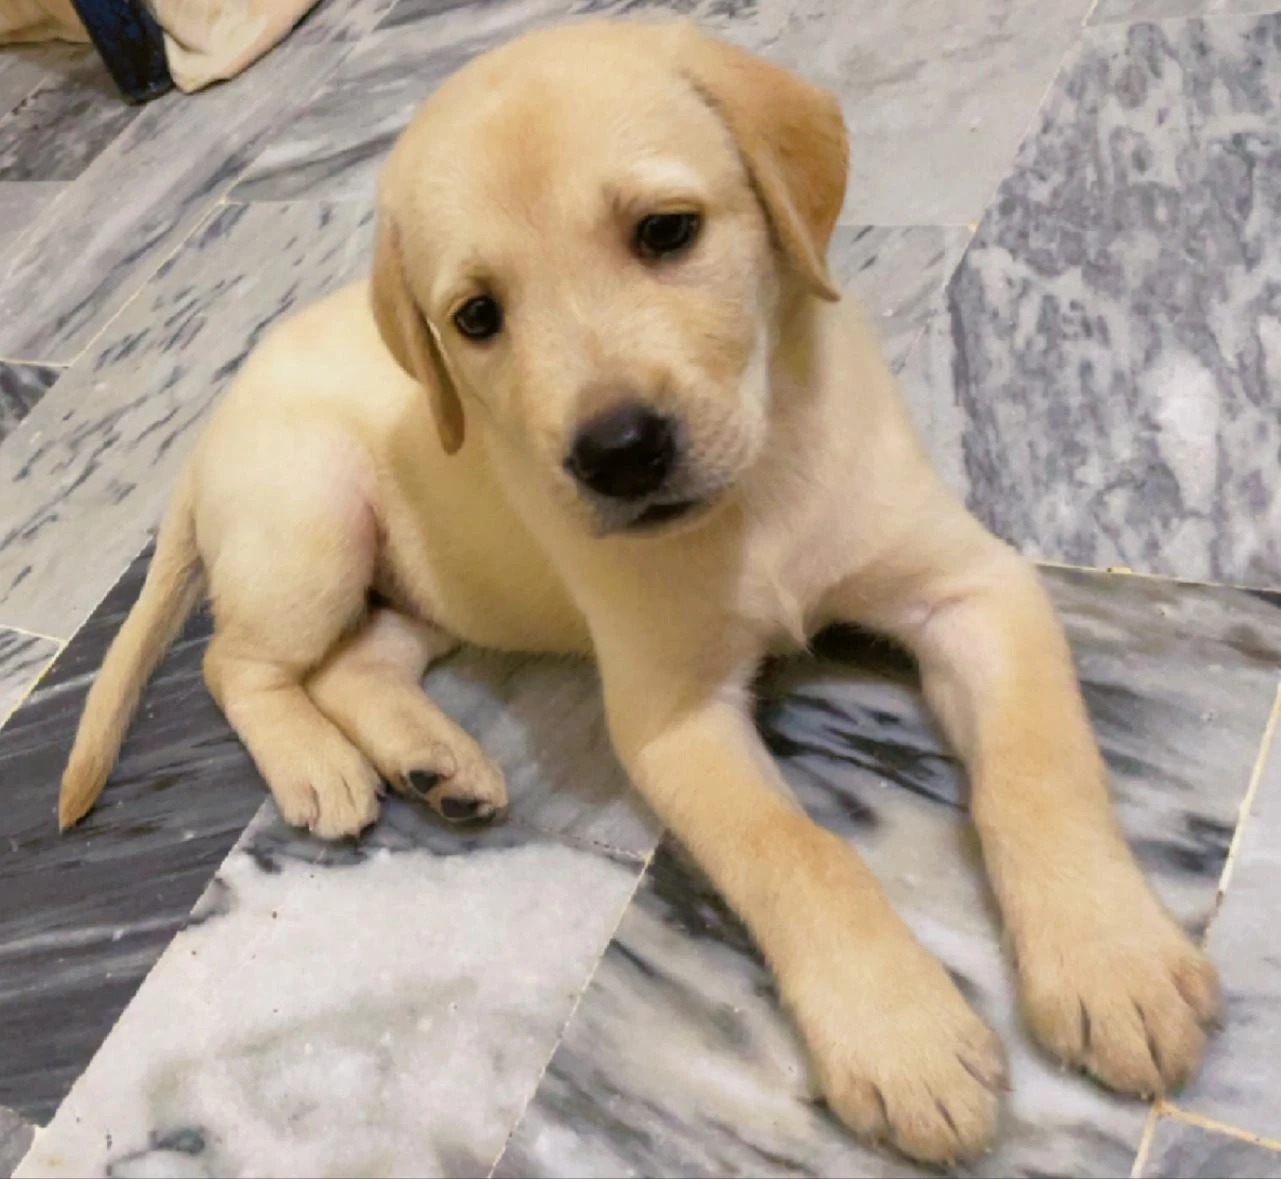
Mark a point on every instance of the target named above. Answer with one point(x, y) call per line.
point(661, 234)
point(479, 318)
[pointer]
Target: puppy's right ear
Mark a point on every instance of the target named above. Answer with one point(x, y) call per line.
point(409, 337)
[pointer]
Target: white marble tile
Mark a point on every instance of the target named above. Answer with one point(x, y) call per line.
point(335, 145)
point(383, 1008)
point(1180, 1150)
point(88, 254)
point(22, 658)
point(1242, 1077)
point(1103, 382)
point(678, 1061)
point(86, 477)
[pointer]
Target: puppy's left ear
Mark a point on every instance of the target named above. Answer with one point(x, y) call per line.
point(792, 138)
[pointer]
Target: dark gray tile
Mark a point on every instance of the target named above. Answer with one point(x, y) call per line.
point(21, 387)
point(60, 128)
point(1103, 383)
point(22, 658)
point(1180, 1150)
point(383, 1008)
point(84, 916)
point(678, 1061)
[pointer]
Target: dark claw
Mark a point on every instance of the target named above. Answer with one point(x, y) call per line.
point(459, 810)
point(1086, 1028)
point(420, 782)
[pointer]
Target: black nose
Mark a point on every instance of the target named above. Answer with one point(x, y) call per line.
point(626, 453)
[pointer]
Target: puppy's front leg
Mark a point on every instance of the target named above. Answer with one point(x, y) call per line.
point(1109, 981)
point(900, 1055)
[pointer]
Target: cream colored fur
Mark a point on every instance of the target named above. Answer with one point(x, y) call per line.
point(376, 488)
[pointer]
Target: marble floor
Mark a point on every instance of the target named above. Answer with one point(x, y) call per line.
point(1064, 218)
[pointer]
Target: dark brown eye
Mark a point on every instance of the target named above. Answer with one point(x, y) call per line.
point(479, 318)
point(661, 234)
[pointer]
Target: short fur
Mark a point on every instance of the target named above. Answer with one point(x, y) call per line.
point(376, 488)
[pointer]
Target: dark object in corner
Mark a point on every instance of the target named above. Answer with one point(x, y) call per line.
point(131, 45)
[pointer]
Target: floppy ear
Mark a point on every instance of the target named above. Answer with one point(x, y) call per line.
point(791, 135)
point(409, 337)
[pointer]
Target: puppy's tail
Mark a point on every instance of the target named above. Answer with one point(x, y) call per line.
point(174, 581)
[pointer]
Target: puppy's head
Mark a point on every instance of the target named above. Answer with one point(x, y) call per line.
point(584, 238)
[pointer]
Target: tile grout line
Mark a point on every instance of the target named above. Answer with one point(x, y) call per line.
point(1186, 1116)
point(1145, 1142)
point(573, 1011)
point(1171, 578)
point(201, 222)
point(31, 634)
point(25, 694)
point(1247, 804)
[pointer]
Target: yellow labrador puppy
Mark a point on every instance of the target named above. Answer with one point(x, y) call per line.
point(599, 396)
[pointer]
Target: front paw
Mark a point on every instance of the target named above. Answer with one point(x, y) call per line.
point(901, 1057)
point(1120, 991)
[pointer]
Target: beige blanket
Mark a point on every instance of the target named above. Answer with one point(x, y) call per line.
point(205, 40)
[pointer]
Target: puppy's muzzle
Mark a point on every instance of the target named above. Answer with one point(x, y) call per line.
point(627, 453)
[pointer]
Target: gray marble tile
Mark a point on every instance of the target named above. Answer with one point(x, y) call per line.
point(937, 93)
point(84, 917)
point(339, 20)
point(63, 125)
point(678, 1062)
point(87, 476)
point(87, 256)
point(21, 387)
point(378, 1009)
point(898, 274)
point(20, 205)
point(1130, 11)
point(1102, 384)
point(22, 658)
point(335, 145)
point(541, 721)
point(24, 68)
point(1242, 1077)
point(1180, 1150)
point(15, 1137)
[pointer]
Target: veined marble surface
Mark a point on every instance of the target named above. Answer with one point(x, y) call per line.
point(379, 1009)
point(22, 658)
point(81, 261)
point(1241, 1081)
point(678, 1061)
point(1104, 381)
point(87, 476)
point(21, 202)
point(1132, 11)
point(72, 116)
point(15, 1138)
point(1181, 1150)
point(335, 146)
point(25, 68)
point(21, 387)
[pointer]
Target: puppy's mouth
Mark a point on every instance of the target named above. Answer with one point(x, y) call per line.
point(657, 515)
